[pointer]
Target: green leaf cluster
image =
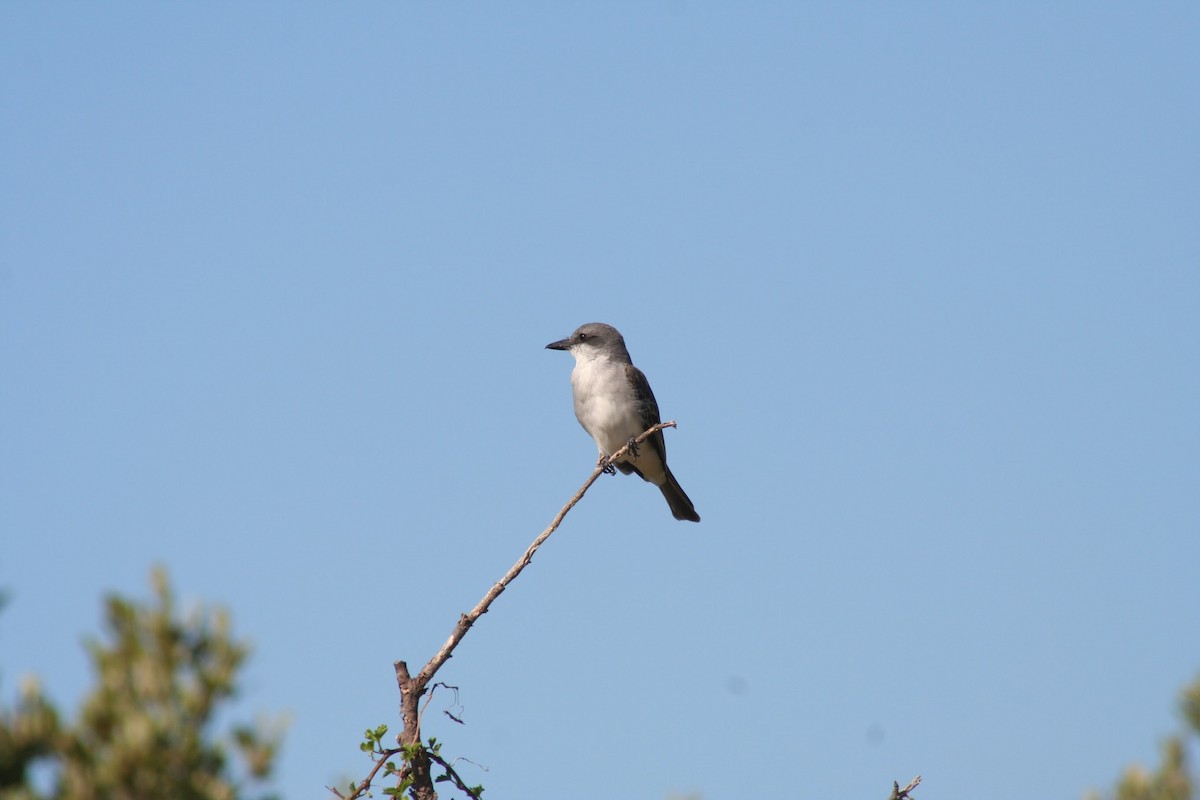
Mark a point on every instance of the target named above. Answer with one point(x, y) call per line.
point(1173, 778)
point(145, 729)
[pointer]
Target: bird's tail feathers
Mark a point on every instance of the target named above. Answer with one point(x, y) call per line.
point(677, 499)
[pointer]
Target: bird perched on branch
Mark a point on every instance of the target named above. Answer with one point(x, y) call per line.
point(614, 404)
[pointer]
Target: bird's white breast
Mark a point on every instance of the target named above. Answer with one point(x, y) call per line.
point(603, 402)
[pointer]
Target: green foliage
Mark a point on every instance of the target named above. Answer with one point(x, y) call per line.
point(28, 731)
point(373, 740)
point(1173, 779)
point(1191, 706)
point(144, 730)
point(416, 752)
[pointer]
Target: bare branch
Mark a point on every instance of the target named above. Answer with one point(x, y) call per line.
point(467, 620)
point(417, 771)
point(411, 688)
point(902, 794)
point(410, 712)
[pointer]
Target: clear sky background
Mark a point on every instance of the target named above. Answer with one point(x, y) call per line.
point(919, 281)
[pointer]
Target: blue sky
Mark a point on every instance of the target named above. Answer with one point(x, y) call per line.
point(918, 281)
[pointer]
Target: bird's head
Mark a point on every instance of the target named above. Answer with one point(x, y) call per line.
point(593, 340)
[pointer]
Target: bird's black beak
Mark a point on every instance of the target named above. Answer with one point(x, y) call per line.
point(561, 344)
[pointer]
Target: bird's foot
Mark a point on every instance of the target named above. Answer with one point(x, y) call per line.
point(605, 465)
point(633, 446)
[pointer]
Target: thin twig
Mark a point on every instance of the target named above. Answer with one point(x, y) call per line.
point(454, 776)
point(467, 620)
point(384, 755)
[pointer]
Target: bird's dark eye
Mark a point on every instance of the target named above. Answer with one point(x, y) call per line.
point(582, 336)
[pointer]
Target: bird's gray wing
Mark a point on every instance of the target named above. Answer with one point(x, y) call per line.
point(648, 408)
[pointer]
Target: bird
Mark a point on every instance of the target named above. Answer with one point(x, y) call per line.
point(614, 404)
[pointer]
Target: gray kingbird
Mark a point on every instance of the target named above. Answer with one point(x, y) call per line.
point(614, 404)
